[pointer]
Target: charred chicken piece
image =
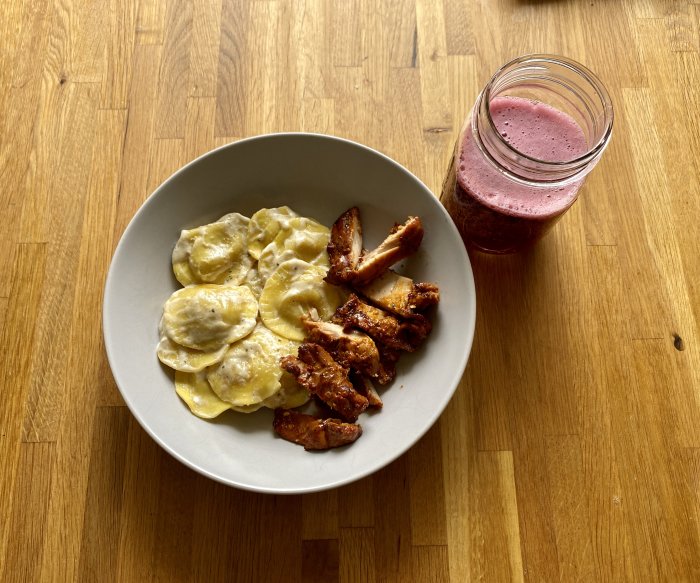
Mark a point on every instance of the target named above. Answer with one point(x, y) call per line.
point(400, 295)
point(403, 240)
point(382, 326)
point(321, 409)
point(345, 247)
point(365, 387)
point(388, 357)
point(314, 433)
point(315, 369)
point(350, 349)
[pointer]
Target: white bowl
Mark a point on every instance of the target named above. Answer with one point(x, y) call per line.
point(318, 176)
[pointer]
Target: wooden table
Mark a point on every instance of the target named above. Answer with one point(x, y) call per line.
point(571, 450)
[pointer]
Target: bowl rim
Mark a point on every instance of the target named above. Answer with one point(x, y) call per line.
point(458, 371)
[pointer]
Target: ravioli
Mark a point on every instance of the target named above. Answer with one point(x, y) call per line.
point(250, 372)
point(290, 394)
point(225, 357)
point(264, 226)
point(292, 291)
point(186, 359)
point(302, 238)
point(194, 390)
point(254, 282)
point(206, 317)
point(247, 408)
point(213, 253)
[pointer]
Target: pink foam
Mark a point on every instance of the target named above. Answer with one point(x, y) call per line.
point(537, 130)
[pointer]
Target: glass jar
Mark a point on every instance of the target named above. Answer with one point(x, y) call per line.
point(536, 130)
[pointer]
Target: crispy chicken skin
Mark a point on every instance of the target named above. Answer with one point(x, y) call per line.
point(314, 433)
point(388, 357)
point(350, 349)
point(345, 247)
point(315, 369)
point(382, 326)
point(403, 240)
point(365, 387)
point(424, 295)
point(400, 295)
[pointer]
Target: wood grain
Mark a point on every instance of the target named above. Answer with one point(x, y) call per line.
point(100, 532)
point(174, 74)
point(320, 561)
point(570, 451)
point(27, 522)
point(29, 260)
point(3, 311)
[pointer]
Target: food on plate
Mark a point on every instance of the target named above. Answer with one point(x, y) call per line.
point(340, 359)
point(349, 264)
point(314, 433)
point(213, 253)
point(250, 372)
point(186, 359)
point(211, 331)
point(207, 316)
point(300, 238)
point(388, 357)
point(316, 370)
point(292, 291)
point(403, 241)
point(345, 247)
point(365, 387)
point(350, 349)
point(290, 394)
point(195, 391)
point(264, 226)
point(400, 295)
point(254, 282)
point(404, 334)
point(278, 309)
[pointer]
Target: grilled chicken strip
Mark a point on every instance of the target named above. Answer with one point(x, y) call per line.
point(382, 326)
point(365, 387)
point(400, 295)
point(314, 433)
point(315, 369)
point(403, 240)
point(345, 247)
point(350, 349)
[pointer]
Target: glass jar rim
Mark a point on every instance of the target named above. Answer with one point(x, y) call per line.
point(591, 153)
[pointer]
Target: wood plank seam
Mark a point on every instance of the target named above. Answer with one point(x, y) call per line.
point(122, 158)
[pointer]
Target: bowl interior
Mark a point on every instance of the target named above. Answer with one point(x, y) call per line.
point(320, 177)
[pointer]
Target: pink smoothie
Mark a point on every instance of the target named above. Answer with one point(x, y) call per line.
point(495, 213)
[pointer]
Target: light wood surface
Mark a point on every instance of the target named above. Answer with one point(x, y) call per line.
point(571, 450)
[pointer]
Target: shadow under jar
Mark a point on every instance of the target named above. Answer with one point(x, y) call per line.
point(536, 130)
